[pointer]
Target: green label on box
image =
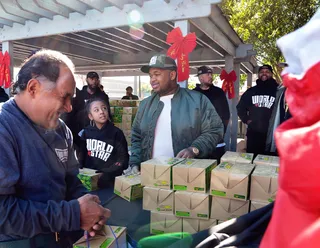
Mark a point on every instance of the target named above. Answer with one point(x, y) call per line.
point(117, 192)
point(202, 215)
point(127, 198)
point(118, 230)
point(165, 208)
point(86, 181)
point(180, 187)
point(107, 243)
point(239, 196)
point(154, 231)
point(218, 193)
point(182, 214)
point(198, 189)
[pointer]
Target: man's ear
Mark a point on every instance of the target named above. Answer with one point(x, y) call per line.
point(33, 87)
point(173, 75)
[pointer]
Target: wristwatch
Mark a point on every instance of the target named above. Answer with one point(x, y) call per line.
point(195, 151)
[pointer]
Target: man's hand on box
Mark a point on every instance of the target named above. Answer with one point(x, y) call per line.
point(92, 215)
point(186, 153)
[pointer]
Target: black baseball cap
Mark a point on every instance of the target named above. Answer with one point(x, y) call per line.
point(92, 74)
point(204, 70)
point(161, 61)
point(265, 67)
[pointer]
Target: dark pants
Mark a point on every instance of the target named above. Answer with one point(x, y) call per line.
point(218, 153)
point(256, 142)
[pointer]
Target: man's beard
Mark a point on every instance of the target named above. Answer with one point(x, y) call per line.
point(92, 87)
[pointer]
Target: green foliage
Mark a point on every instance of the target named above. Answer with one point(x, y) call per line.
point(262, 22)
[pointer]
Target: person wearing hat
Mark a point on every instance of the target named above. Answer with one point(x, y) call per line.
point(78, 118)
point(173, 121)
point(129, 95)
point(255, 108)
point(218, 99)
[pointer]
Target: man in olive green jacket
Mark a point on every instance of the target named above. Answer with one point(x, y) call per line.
point(173, 121)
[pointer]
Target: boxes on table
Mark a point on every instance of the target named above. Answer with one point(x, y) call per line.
point(158, 200)
point(193, 175)
point(105, 238)
point(225, 209)
point(194, 225)
point(89, 178)
point(254, 205)
point(264, 183)
point(266, 160)
point(128, 187)
point(157, 172)
point(237, 157)
point(231, 180)
point(164, 223)
point(192, 205)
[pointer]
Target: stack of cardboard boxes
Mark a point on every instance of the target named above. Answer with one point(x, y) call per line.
point(230, 184)
point(124, 112)
point(264, 181)
point(176, 194)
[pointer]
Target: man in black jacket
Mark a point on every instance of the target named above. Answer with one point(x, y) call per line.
point(3, 95)
point(218, 99)
point(255, 108)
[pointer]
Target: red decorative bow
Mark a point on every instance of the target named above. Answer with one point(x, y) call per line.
point(181, 47)
point(5, 78)
point(228, 80)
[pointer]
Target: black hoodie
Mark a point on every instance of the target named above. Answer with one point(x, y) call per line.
point(105, 150)
point(256, 105)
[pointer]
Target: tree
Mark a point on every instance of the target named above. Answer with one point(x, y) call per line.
point(262, 22)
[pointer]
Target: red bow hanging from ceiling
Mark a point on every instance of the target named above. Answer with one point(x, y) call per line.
point(180, 48)
point(228, 82)
point(5, 78)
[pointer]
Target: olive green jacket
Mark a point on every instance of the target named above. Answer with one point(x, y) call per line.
point(194, 122)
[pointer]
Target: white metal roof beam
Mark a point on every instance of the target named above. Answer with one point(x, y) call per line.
point(74, 5)
point(6, 22)
point(137, 2)
point(13, 8)
point(125, 40)
point(66, 48)
point(5, 15)
point(54, 7)
point(96, 4)
point(94, 20)
point(34, 8)
point(117, 3)
point(214, 33)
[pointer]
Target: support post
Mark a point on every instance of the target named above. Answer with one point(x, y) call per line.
point(234, 115)
point(227, 138)
point(185, 27)
point(249, 80)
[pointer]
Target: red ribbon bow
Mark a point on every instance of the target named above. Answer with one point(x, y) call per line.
point(228, 80)
point(5, 79)
point(181, 47)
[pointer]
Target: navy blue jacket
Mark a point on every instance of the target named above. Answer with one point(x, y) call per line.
point(37, 181)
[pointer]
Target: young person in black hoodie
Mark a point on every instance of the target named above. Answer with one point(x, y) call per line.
point(218, 99)
point(255, 108)
point(104, 147)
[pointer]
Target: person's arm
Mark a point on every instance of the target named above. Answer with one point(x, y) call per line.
point(122, 159)
point(25, 217)
point(211, 129)
point(225, 111)
point(242, 108)
point(135, 157)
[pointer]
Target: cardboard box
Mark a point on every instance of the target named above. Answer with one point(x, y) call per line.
point(89, 178)
point(226, 209)
point(164, 223)
point(128, 187)
point(158, 200)
point(254, 205)
point(266, 160)
point(192, 205)
point(231, 180)
point(157, 172)
point(105, 238)
point(193, 175)
point(193, 225)
point(237, 157)
point(264, 183)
